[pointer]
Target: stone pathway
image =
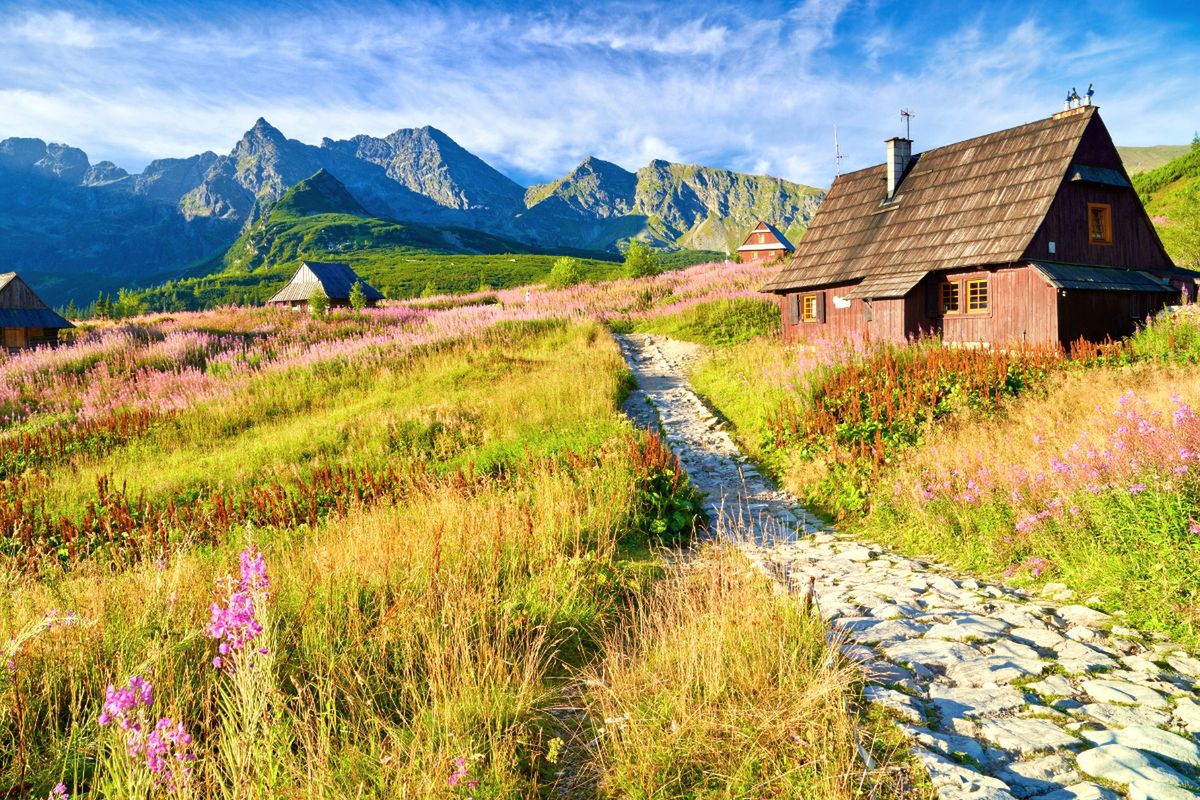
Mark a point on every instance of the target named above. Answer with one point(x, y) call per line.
point(1002, 695)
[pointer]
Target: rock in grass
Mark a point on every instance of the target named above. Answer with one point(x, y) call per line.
point(1106, 691)
point(967, 628)
point(1150, 790)
point(1039, 775)
point(1124, 765)
point(1151, 740)
point(1026, 735)
point(1082, 615)
point(954, 702)
point(1115, 716)
point(1082, 791)
point(899, 703)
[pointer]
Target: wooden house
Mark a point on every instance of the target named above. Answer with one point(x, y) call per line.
point(1032, 234)
point(26, 321)
point(765, 243)
point(335, 279)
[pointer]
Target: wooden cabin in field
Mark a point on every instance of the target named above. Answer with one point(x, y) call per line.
point(335, 278)
point(1032, 234)
point(765, 243)
point(26, 321)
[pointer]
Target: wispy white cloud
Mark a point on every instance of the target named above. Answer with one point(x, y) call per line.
point(752, 87)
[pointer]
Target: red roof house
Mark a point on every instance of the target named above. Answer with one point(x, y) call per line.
point(765, 243)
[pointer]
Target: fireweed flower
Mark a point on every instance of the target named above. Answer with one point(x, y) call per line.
point(460, 774)
point(234, 623)
point(122, 705)
point(162, 748)
point(59, 792)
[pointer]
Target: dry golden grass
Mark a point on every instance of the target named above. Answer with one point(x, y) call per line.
point(721, 687)
point(1078, 404)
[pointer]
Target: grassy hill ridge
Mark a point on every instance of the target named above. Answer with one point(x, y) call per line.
point(1171, 194)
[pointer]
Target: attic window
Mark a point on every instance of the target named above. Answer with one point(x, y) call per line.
point(762, 238)
point(1100, 223)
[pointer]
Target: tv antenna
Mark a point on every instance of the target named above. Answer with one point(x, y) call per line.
point(837, 153)
point(907, 114)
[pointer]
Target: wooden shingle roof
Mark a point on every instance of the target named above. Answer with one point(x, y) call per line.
point(335, 278)
point(975, 202)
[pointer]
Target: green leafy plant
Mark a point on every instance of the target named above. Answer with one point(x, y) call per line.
point(358, 297)
point(566, 272)
point(641, 261)
point(668, 508)
point(318, 304)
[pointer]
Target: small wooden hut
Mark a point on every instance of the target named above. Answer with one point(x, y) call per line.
point(765, 243)
point(26, 320)
point(334, 278)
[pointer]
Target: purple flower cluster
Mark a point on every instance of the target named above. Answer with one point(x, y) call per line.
point(122, 705)
point(162, 748)
point(461, 776)
point(1035, 565)
point(56, 618)
point(165, 751)
point(1143, 449)
point(59, 792)
point(234, 622)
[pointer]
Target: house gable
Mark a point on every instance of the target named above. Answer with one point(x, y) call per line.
point(1096, 178)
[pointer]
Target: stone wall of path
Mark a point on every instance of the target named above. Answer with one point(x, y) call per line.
point(1002, 695)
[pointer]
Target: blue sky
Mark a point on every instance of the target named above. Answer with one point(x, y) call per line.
point(533, 88)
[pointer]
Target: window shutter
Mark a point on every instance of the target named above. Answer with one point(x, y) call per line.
point(820, 306)
point(793, 309)
point(931, 297)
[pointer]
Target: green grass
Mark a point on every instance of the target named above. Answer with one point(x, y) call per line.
point(396, 632)
point(716, 322)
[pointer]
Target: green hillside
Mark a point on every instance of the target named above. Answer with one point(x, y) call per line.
point(1144, 159)
point(1171, 194)
point(319, 219)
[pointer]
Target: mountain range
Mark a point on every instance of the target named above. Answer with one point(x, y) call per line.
point(75, 228)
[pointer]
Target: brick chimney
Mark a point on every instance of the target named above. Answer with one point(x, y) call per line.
point(899, 154)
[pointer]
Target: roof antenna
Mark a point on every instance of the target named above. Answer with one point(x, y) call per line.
point(837, 154)
point(907, 114)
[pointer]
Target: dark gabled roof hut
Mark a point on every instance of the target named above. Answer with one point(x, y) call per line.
point(334, 278)
point(24, 319)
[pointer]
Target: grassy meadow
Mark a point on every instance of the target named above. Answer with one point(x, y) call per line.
point(1033, 466)
point(412, 552)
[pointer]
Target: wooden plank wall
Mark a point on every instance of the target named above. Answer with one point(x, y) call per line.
point(1095, 315)
point(887, 318)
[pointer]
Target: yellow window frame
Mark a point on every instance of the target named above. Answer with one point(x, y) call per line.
point(808, 308)
point(977, 293)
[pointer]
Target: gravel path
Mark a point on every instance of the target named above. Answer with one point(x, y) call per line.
point(1003, 695)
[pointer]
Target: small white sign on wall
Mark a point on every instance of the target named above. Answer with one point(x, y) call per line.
point(840, 302)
